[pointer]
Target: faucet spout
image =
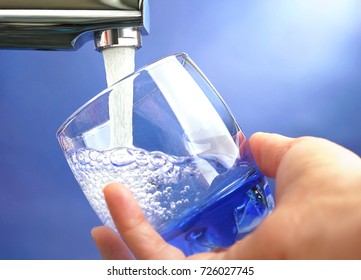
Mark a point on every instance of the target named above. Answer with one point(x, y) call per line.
point(68, 24)
point(123, 37)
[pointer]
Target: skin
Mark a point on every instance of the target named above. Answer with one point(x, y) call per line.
point(317, 215)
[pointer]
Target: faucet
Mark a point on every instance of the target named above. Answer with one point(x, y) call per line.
point(68, 24)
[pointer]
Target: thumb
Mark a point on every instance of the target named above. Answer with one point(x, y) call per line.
point(268, 150)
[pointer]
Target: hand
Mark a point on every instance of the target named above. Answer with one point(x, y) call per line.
point(317, 215)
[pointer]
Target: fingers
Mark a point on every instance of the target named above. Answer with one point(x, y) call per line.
point(110, 245)
point(137, 233)
point(317, 186)
point(296, 162)
point(268, 150)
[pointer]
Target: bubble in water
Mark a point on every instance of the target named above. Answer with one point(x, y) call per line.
point(161, 183)
point(158, 160)
point(81, 157)
point(121, 157)
point(141, 157)
point(93, 155)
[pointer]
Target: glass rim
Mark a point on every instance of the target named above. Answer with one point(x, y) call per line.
point(146, 67)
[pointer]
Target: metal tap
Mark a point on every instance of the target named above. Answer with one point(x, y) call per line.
point(68, 24)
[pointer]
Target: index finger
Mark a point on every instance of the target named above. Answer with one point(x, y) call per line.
point(141, 238)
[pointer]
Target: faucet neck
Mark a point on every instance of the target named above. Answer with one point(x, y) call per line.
point(67, 25)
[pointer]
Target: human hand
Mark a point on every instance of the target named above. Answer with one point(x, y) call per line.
point(318, 212)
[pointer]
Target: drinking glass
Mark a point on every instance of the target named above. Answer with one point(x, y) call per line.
point(187, 163)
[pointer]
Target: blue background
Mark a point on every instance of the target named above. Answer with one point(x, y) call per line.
point(291, 67)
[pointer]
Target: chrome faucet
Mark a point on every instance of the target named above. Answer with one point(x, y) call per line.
point(68, 24)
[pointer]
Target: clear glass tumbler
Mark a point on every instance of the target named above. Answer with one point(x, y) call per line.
point(187, 162)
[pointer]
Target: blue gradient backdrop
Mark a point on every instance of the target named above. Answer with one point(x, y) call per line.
point(290, 67)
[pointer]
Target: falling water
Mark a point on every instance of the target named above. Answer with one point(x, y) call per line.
point(120, 62)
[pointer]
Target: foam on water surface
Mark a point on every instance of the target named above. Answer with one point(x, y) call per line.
point(151, 177)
